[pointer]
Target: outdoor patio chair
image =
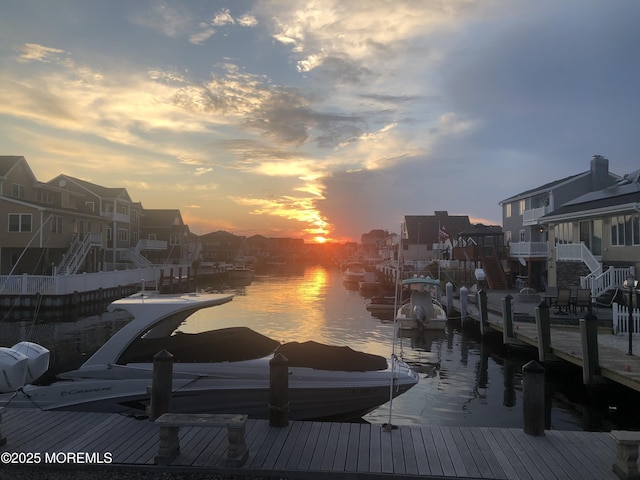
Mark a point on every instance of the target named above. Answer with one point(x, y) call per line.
point(583, 299)
point(550, 295)
point(563, 301)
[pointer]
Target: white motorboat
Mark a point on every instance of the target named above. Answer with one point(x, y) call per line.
point(219, 371)
point(424, 310)
point(354, 273)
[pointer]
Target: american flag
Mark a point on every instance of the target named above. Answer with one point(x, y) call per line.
point(442, 235)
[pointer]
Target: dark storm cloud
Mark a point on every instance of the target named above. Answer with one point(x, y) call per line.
point(555, 80)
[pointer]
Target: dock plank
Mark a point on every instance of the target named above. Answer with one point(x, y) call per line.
point(304, 463)
point(290, 447)
point(434, 466)
point(364, 450)
point(375, 449)
point(506, 467)
point(459, 463)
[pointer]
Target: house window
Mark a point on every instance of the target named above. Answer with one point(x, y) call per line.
point(20, 222)
point(90, 206)
point(174, 239)
point(507, 236)
point(56, 224)
point(109, 234)
point(563, 233)
point(43, 196)
point(507, 212)
point(123, 234)
point(18, 191)
point(625, 230)
point(523, 206)
point(523, 236)
point(152, 236)
point(134, 236)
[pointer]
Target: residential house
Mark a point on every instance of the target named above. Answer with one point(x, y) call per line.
point(424, 236)
point(222, 247)
point(482, 246)
point(114, 205)
point(276, 249)
point(165, 237)
point(595, 238)
point(373, 243)
point(526, 237)
point(44, 227)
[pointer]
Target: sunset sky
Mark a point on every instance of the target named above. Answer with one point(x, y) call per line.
point(320, 118)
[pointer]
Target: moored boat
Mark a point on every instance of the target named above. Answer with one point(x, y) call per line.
point(423, 311)
point(220, 371)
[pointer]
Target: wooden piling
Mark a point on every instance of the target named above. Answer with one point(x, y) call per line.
point(464, 303)
point(279, 391)
point(448, 288)
point(507, 319)
point(534, 397)
point(589, 338)
point(543, 324)
point(484, 313)
point(162, 384)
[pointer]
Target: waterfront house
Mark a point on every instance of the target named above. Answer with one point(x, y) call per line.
point(527, 238)
point(426, 238)
point(595, 239)
point(43, 224)
point(113, 205)
point(482, 246)
point(222, 247)
point(165, 239)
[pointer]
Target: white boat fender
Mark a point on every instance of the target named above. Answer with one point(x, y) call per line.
point(13, 370)
point(38, 357)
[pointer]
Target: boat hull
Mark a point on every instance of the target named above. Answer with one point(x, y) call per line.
point(312, 394)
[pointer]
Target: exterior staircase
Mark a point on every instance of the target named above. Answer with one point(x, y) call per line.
point(492, 266)
point(598, 281)
point(77, 253)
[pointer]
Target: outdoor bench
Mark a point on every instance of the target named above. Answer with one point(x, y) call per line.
point(627, 443)
point(170, 424)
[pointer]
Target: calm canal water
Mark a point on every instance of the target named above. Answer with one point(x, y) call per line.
point(463, 381)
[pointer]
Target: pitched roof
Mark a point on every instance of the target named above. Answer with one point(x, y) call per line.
point(543, 188)
point(7, 162)
point(424, 229)
point(623, 194)
point(98, 190)
point(160, 217)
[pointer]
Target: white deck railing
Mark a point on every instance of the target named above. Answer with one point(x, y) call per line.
point(66, 284)
point(578, 252)
point(621, 319)
point(529, 249)
point(530, 217)
point(611, 278)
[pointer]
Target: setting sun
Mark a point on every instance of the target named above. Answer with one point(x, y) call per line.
point(319, 239)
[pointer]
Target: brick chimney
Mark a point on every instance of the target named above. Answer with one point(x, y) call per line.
point(599, 173)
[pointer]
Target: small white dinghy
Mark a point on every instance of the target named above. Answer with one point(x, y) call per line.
point(22, 364)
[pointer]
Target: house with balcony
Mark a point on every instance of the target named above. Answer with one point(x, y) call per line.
point(223, 248)
point(165, 238)
point(427, 238)
point(115, 206)
point(526, 237)
point(45, 228)
point(595, 238)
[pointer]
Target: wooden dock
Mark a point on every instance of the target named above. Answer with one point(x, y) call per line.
point(306, 450)
point(566, 344)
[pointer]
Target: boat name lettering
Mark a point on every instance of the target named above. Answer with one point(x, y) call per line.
point(64, 393)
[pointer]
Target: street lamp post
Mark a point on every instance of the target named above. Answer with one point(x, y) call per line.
point(630, 282)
